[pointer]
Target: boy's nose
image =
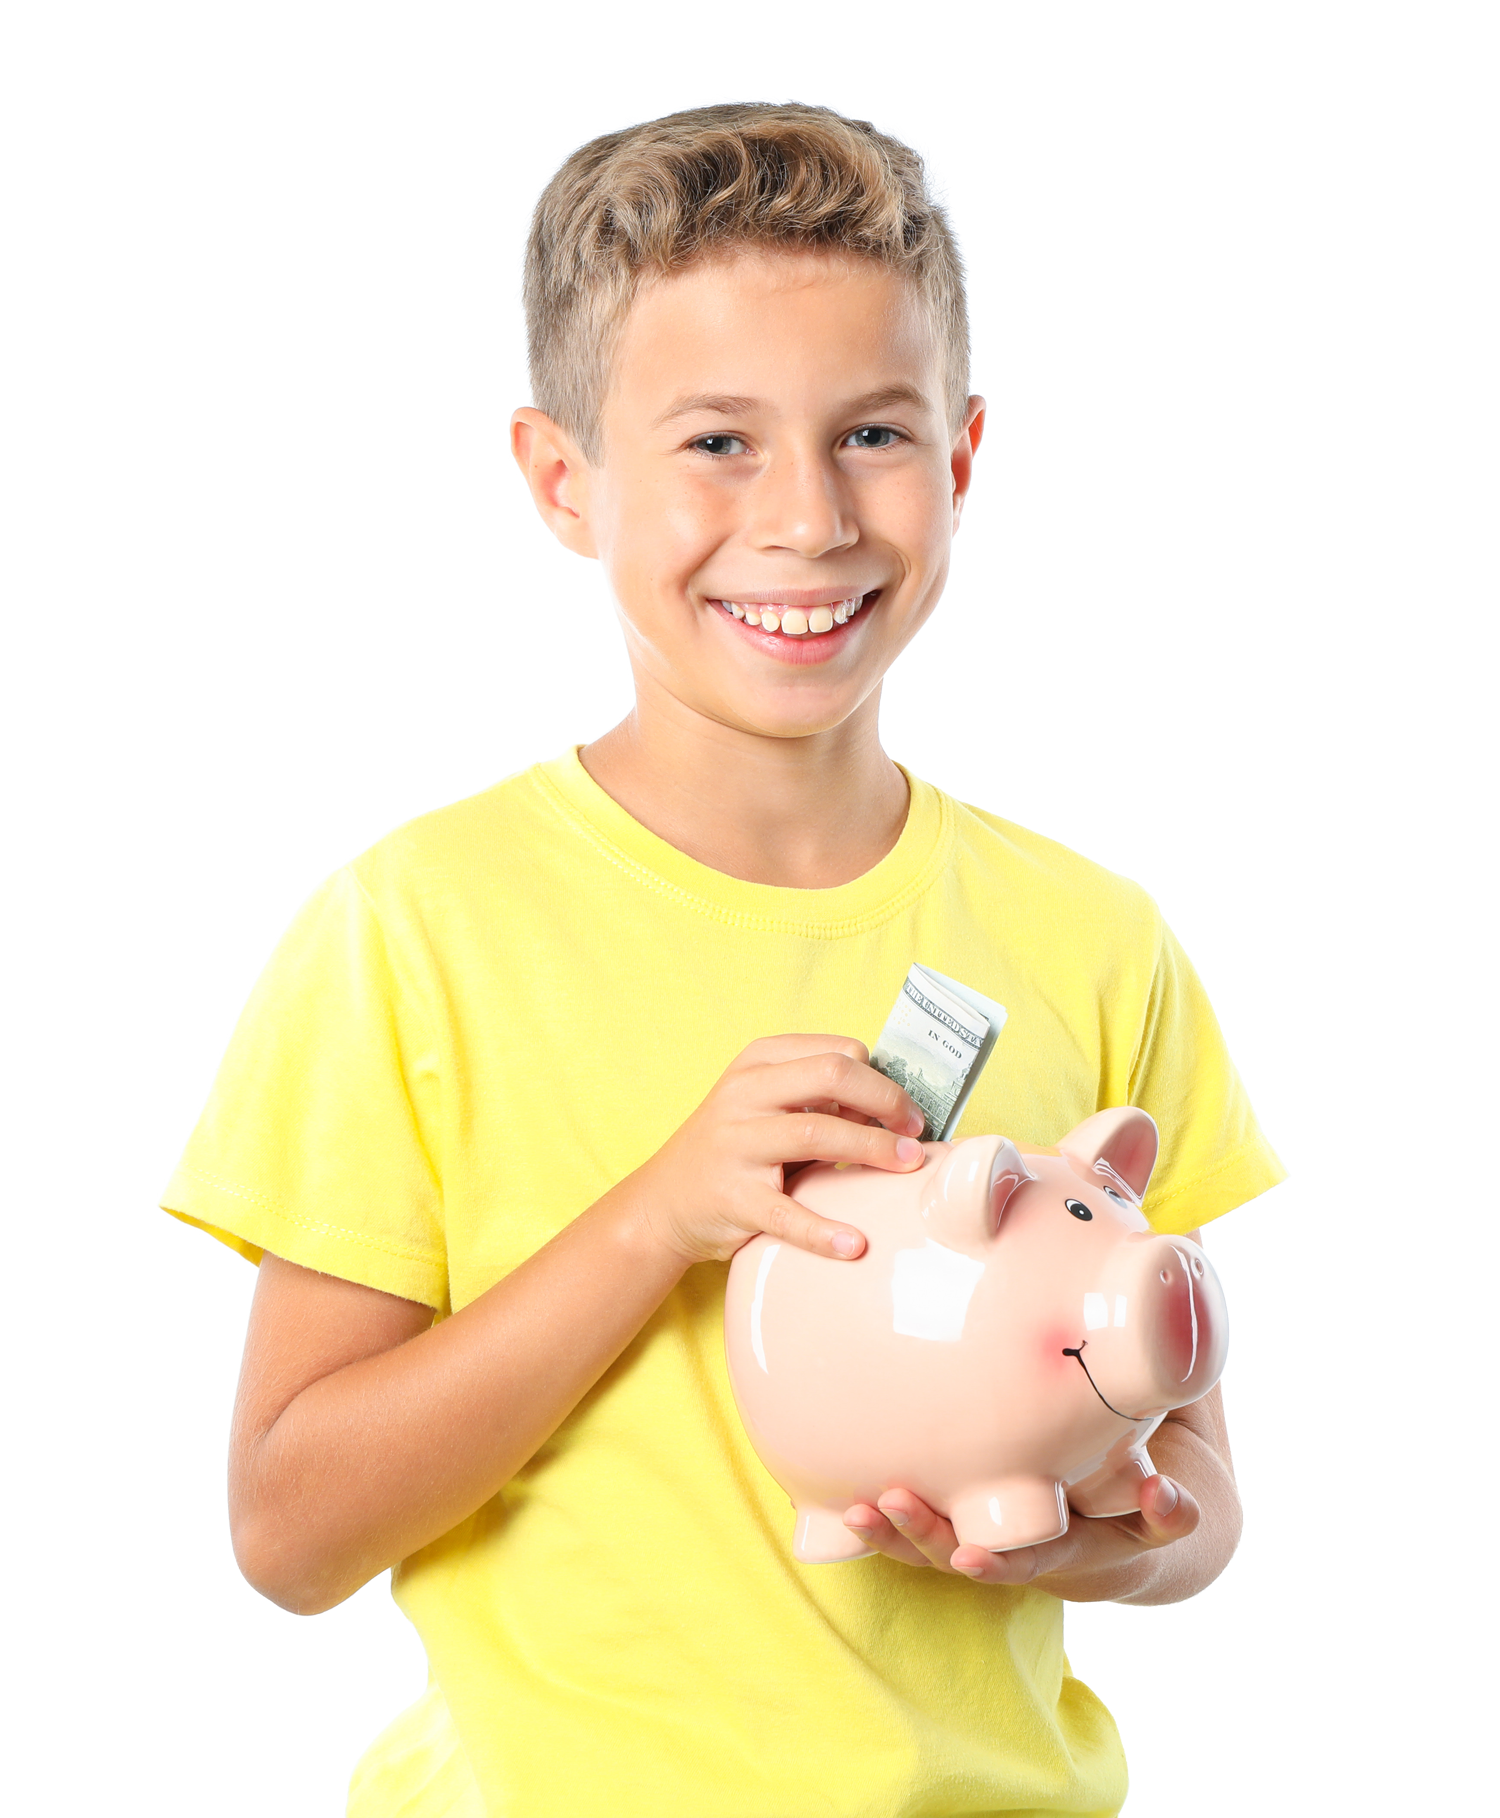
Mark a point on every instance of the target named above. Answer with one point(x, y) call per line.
point(802, 506)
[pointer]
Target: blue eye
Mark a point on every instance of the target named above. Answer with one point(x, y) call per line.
point(1078, 1208)
point(719, 445)
point(872, 435)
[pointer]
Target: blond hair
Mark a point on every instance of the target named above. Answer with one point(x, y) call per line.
point(657, 197)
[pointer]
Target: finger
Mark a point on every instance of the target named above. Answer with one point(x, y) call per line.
point(928, 1532)
point(1168, 1511)
point(771, 1050)
point(939, 1545)
point(876, 1531)
point(784, 1218)
point(1019, 1566)
point(802, 1136)
point(833, 1079)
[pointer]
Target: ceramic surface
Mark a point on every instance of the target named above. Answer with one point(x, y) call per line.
point(1009, 1340)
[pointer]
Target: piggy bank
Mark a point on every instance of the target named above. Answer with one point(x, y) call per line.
point(1005, 1346)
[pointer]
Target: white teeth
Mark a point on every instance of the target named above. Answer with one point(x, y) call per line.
point(792, 621)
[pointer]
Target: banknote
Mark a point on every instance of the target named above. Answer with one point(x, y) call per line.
point(934, 1045)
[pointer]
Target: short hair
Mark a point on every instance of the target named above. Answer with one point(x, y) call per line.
point(655, 198)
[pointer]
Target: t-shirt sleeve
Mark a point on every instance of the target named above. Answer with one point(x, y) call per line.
point(1213, 1156)
point(312, 1145)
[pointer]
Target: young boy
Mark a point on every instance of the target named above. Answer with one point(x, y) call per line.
point(521, 1079)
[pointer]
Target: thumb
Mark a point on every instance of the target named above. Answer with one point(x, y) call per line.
point(1168, 1511)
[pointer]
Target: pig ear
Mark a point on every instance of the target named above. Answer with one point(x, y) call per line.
point(964, 1205)
point(1121, 1142)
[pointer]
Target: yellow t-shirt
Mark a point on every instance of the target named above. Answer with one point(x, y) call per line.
point(467, 1037)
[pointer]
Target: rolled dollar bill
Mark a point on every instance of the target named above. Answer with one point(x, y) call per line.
point(934, 1046)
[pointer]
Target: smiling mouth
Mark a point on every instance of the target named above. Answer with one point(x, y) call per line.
point(1076, 1352)
point(797, 621)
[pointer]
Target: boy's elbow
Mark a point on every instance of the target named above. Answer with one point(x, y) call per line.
point(285, 1574)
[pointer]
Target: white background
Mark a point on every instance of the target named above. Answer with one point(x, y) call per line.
point(1220, 618)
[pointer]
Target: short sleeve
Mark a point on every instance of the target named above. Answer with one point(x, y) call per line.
point(312, 1143)
point(1213, 1156)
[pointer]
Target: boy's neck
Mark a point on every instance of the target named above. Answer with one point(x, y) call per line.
point(803, 813)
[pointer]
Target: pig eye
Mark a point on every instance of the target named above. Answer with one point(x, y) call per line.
point(1078, 1208)
point(1118, 1198)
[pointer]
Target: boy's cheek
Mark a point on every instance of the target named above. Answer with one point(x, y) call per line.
point(658, 531)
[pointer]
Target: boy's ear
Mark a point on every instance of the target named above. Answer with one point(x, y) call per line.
point(557, 474)
point(965, 447)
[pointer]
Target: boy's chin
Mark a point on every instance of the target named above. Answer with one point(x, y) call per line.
point(769, 707)
point(772, 719)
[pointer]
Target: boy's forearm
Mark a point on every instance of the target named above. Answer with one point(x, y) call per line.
point(363, 1432)
point(379, 1457)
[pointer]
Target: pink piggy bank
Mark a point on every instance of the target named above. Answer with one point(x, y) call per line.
point(1005, 1346)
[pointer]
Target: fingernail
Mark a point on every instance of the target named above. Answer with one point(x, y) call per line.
point(863, 1533)
point(1164, 1498)
point(907, 1149)
point(845, 1243)
point(972, 1571)
point(916, 1123)
point(898, 1518)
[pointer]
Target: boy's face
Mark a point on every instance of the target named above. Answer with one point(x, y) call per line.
point(775, 438)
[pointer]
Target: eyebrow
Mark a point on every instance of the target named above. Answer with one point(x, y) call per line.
point(719, 404)
point(710, 403)
point(886, 397)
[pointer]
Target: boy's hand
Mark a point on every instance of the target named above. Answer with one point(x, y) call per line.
point(1093, 1560)
point(1180, 1541)
point(786, 1100)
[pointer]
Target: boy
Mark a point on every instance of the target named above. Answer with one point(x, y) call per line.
point(522, 1079)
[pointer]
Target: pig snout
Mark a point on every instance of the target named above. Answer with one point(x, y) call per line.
point(1165, 1332)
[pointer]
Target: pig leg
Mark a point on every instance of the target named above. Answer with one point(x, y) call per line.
point(1115, 1488)
point(1010, 1512)
point(822, 1538)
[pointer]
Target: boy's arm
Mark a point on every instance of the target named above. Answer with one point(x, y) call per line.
point(362, 1431)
